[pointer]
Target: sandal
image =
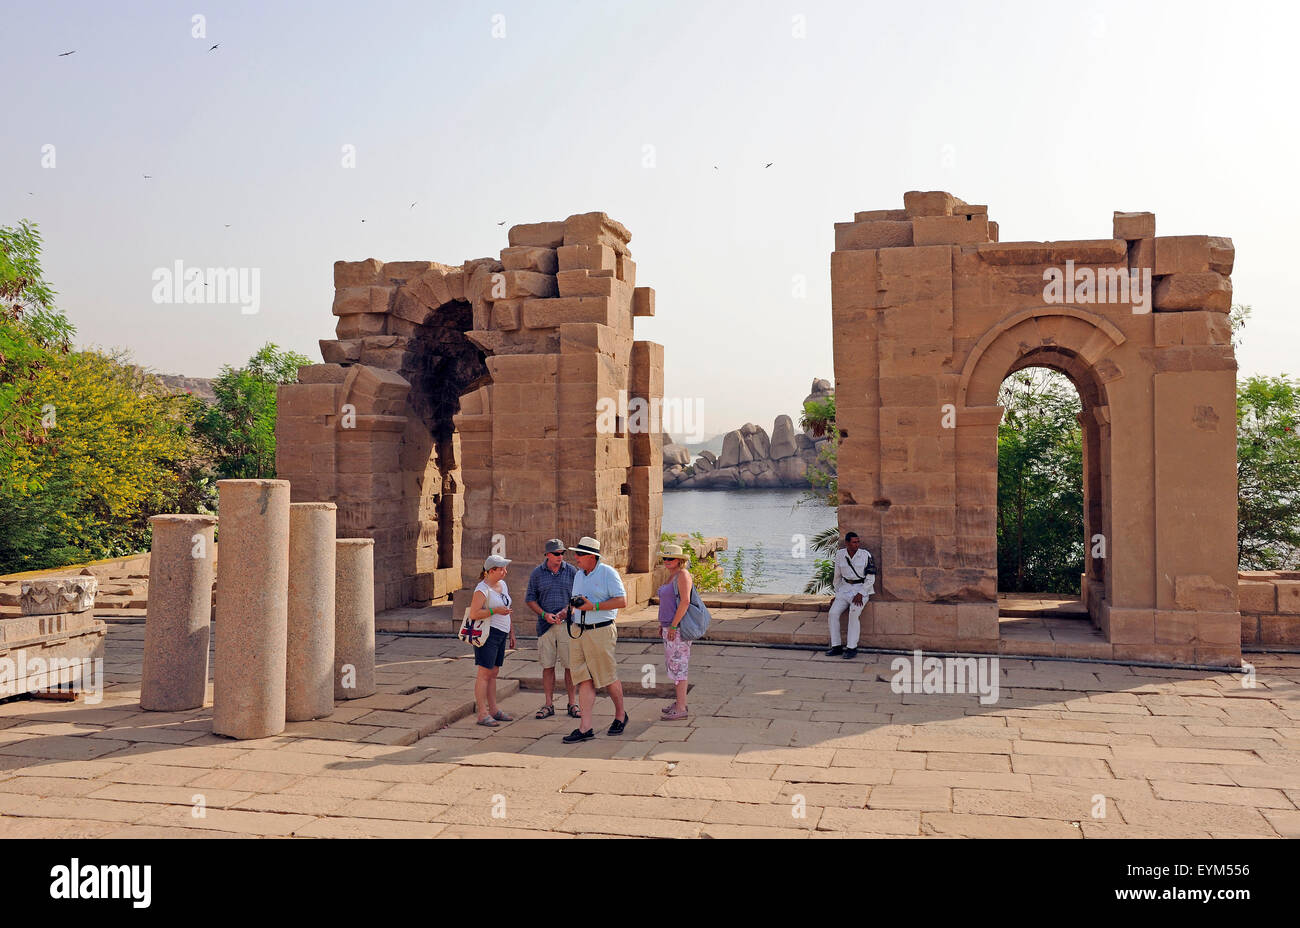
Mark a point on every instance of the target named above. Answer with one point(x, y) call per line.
point(489, 723)
point(502, 717)
point(545, 712)
point(574, 712)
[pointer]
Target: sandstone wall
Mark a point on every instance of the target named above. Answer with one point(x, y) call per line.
point(458, 411)
point(931, 313)
point(1270, 609)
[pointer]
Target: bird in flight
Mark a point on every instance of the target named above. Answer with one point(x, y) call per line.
point(215, 47)
point(147, 176)
point(412, 206)
point(363, 220)
point(768, 165)
point(66, 54)
point(501, 223)
point(227, 225)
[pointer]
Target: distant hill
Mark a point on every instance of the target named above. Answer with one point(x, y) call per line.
point(199, 386)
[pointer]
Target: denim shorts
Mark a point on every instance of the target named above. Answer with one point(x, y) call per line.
point(492, 653)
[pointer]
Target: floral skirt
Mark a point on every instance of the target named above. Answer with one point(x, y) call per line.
point(677, 655)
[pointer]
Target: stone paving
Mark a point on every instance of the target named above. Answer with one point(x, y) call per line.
point(780, 743)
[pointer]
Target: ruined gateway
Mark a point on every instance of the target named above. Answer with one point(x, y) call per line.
point(457, 410)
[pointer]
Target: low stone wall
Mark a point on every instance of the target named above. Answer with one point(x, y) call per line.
point(1270, 609)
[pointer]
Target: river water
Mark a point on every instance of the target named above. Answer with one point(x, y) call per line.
point(773, 521)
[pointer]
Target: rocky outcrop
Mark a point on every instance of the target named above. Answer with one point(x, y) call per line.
point(676, 454)
point(751, 459)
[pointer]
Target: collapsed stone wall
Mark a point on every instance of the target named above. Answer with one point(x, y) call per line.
point(458, 409)
point(931, 313)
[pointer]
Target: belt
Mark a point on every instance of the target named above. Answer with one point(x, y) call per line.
point(597, 625)
point(859, 580)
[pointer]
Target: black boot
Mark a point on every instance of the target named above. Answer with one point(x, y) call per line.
point(835, 651)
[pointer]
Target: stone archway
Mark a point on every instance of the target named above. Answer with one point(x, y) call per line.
point(931, 313)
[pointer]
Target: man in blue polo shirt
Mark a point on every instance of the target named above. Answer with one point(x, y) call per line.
point(549, 587)
point(593, 638)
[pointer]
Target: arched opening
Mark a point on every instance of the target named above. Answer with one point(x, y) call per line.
point(1071, 351)
point(1041, 541)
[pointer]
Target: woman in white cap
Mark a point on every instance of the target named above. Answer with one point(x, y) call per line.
point(491, 600)
point(674, 597)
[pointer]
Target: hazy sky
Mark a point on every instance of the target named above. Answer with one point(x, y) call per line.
point(1052, 114)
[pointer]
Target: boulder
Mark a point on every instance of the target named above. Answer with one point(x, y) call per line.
point(734, 450)
point(793, 471)
point(704, 464)
point(709, 456)
point(783, 440)
point(721, 478)
point(676, 454)
point(760, 446)
point(820, 390)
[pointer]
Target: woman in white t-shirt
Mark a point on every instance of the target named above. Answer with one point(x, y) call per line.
point(491, 601)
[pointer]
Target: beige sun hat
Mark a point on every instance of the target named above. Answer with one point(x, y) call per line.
point(671, 551)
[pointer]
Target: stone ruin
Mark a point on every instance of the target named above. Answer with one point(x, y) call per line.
point(930, 313)
point(55, 640)
point(456, 412)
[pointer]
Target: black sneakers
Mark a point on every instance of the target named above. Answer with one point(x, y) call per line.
point(850, 653)
point(616, 727)
point(835, 651)
point(579, 735)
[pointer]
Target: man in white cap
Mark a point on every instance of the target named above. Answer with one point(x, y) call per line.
point(593, 637)
point(854, 581)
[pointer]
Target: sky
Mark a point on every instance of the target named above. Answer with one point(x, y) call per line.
point(664, 115)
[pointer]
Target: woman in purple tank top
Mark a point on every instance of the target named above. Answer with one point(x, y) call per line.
point(674, 597)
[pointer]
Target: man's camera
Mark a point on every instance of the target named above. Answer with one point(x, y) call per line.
point(577, 602)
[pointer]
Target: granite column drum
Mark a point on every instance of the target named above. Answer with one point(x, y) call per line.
point(354, 610)
point(178, 625)
point(309, 683)
point(252, 609)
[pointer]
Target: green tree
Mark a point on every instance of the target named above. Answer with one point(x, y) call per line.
point(1040, 484)
point(1268, 474)
point(825, 542)
point(818, 417)
point(33, 333)
point(240, 425)
point(717, 574)
point(123, 453)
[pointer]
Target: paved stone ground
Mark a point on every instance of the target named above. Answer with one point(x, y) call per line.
point(780, 743)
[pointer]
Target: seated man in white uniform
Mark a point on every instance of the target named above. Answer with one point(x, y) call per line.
point(853, 583)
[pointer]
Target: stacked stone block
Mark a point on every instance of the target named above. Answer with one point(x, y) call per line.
point(459, 404)
point(930, 315)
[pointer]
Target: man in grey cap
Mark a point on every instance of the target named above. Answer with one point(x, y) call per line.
point(549, 587)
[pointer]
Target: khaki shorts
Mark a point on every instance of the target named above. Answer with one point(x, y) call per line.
point(553, 648)
point(591, 656)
